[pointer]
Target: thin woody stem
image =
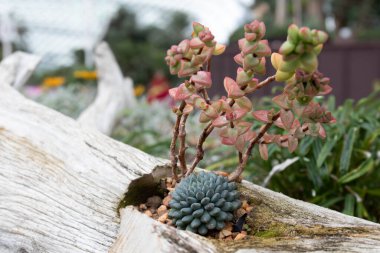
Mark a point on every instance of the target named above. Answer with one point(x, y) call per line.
point(236, 174)
point(209, 128)
point(239, 170)
point(182, 145)
point(200, 152)
point(173, 156)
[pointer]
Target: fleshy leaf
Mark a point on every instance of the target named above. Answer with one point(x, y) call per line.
point(219, 49)
point(287, 118)
point(244, 103)
point(261, 115)
point(263, 149)
point(292, 143)
point(232, 88)
point(202, 79)
point(220, 121)
point(188, 109)
point(282, 101)
point(263, 49)
point(180, 93)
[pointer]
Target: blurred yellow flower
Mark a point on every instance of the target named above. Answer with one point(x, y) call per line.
point(85, 74)
point(139, 90)
point(54, 81)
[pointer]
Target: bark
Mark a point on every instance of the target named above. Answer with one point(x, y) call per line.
point(62, 184)
point(115, 93)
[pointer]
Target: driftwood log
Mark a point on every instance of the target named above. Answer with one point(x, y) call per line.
point(114, 94)
point(61, 184)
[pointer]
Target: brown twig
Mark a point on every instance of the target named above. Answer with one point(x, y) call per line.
point(173, 156)
point(237, 172)
point(182, 144)
point(240, 155)
point(200, 152)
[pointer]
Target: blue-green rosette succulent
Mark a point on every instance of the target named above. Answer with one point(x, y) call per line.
point(203, 202)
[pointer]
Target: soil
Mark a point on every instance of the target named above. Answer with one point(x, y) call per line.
point(157, 207)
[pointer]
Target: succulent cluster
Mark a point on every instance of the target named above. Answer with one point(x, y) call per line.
point(296, 64)
point(188, 56)
point(203, 202)
point(300, 50)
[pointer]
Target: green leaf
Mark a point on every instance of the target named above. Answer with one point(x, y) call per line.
point(331, 202)
point(363, 168)
point(349, 205)
point(348, 145)
point(326, 151)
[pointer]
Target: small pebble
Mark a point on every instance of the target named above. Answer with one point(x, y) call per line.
point(161, 210)
point(240, 212)
point(222, 173)
point(153, 202)
point(244, 204)
point(240, 236)
point(163, 218)
point(166, 200)
point(149, 213)
point(142, 207)
point(226, 232)
point(229, 238)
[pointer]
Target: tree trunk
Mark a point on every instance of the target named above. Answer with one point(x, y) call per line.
point(62, 184)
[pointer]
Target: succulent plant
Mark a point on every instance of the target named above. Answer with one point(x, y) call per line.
point(203, 202)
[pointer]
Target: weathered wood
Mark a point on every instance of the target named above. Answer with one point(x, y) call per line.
point(17, 68)
point(61, 184)
point(115, 93)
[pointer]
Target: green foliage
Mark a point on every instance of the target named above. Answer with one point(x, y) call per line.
point(341, 172)
point(140, 50)
point(203, 202)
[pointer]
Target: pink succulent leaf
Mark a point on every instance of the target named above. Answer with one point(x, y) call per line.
point(188, 109)
point(292, 143)
point(228, 135)
point(241, 43)
point(282, 101)
point(240, 144)
point(263, 149)
point(249, 135)
point(183, 46)
point(277, 139)
point(190, 100)
point(180, 93)
point(244, 103)
point(200, 103)
point(203, 118)
point(260, 68)
point(239, 113)
point(242, 127)
point(322, 132)
point(211, 112)
point(250, 36)
point(287, 118)
point(249, 47)
point(268, 138)
point(261, 115)
point(186, 69)
point(263, 49)
point(238, 59)
point(232, 88)
point(202, 79)
point(196, 43)
point(220, 121)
